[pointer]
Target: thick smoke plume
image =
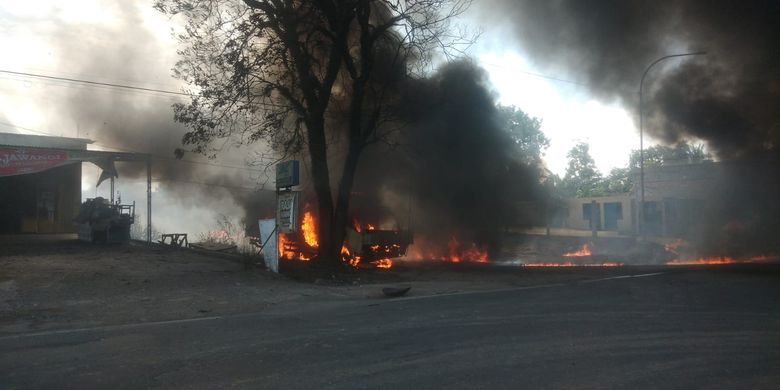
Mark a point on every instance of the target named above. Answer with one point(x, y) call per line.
point(455, 171)
point(727, 98)
point(130, 52)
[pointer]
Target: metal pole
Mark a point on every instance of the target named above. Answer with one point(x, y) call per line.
point(641, 217)
point(112, 190)
point(149, 200)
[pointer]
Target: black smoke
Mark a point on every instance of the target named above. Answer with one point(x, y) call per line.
point(453, 170)
point(728, 98)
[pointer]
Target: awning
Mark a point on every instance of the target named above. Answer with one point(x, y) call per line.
point(20, 160)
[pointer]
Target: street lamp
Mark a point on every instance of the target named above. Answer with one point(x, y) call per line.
point(642, 138)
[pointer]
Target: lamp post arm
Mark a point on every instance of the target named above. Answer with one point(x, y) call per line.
point(642, 82)
point(641, 213)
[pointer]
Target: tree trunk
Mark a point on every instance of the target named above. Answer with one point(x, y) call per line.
point(321, 178)
point(344, 195)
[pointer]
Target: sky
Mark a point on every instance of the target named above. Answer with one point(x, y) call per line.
point(568, 114)
point(33, 32)
point(129, 42)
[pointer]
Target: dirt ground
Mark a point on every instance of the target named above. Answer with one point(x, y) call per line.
point(56, 282)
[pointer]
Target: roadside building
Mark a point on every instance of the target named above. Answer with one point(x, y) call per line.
point(608, 213)
point(676, 196)
point(683, 200)
point(677, 200)
point(40, 181)
point(40, 188)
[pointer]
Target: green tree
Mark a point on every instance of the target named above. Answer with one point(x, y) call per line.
point(621, 180)
point(618, 181)
point(313, 78)
point(660, 155)
point(582, 179)
point(526, 132)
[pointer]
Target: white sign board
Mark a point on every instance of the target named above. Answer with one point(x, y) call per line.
point(270, 250)
point(287, 211)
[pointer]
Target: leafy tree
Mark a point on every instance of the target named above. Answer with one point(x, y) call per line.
point(526, 132)
point(660, 155)
point(582, 178)
point(619, 181)
point(313, 78)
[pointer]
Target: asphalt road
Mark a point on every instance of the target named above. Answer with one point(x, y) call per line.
point(702, 328)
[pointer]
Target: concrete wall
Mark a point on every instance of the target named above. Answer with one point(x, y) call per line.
point(577, 220)
point(686, 181)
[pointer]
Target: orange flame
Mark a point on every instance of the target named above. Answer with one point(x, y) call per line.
point(347, 257)
point(286, 253)
point(282, 241)
point(582, 252)
point(384, 263)
point(309, 230)
point(454, 252)
point(704, 260)
point(570, 264)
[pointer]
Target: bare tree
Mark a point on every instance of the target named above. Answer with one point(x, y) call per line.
point(305, 74)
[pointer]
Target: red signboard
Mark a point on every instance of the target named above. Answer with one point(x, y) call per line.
point(21, 160)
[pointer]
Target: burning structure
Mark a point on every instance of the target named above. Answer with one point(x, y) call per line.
point(364, 244)
point(457, 168)
point(452, 176)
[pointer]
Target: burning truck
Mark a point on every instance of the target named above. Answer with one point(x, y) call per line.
point(369, 245)
point(364, 244)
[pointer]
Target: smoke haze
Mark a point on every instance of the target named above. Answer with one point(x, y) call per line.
point(727, 98)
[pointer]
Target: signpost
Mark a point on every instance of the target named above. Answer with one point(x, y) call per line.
point(287, 211)
point(287, 176)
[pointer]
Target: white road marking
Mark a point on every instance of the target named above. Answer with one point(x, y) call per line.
point(621, 277)
point(525, 287)
point(110, 327)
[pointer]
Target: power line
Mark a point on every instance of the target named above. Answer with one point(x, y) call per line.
point(27, 129)
point(544, 76)
point(96, 83)
point(116, 85)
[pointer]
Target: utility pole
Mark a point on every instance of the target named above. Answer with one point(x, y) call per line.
point(149, 200)
point(641, 225)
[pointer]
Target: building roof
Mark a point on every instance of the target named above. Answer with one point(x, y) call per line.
point(41, 141)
